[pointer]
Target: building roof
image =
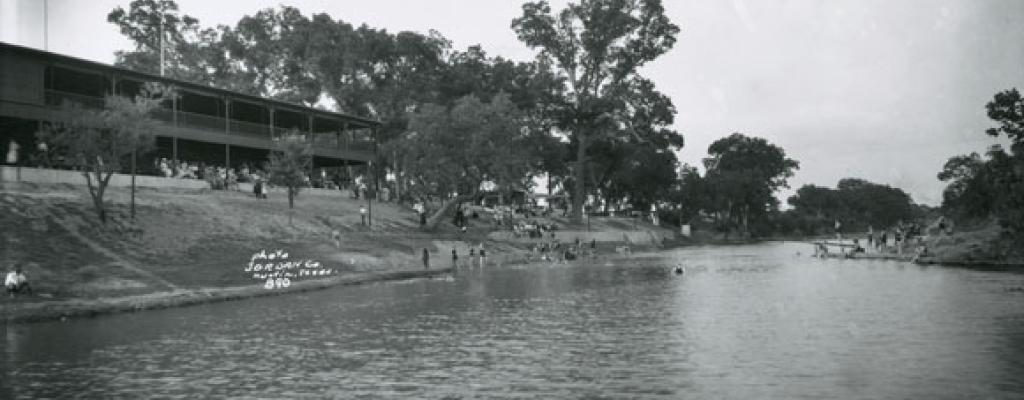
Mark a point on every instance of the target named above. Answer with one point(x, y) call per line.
point(365, 122)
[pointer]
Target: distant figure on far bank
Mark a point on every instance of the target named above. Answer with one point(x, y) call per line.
point(857, 247)
point(455, 258)
point(921, 253)
point(483, 256)
point(871, 236)
point(16, 282)
point(426, 258)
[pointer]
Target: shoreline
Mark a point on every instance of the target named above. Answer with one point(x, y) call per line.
point(932, 261)
point(76, 308)
point(43, 311)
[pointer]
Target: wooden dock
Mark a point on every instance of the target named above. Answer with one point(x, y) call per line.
point(845, 250)
point(868, 256)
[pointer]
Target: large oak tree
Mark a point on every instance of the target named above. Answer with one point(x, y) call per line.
point(599, 46)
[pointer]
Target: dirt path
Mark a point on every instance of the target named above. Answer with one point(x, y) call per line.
point(118, 260)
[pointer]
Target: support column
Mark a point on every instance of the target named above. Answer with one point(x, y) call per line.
point(227, 115)
point(272, 133)
point(343, 136)
point(376, 179)
point(174, 122)
point(369, 204)
point(174, 110)
point(227, 156)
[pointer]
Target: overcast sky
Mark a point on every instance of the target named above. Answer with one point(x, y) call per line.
point(882, 90)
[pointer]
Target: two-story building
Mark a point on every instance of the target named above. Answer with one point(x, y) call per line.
point(202, 124)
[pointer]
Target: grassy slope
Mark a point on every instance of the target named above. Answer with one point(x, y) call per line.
point(204, 239)
point(191, 240)
point(985, 244)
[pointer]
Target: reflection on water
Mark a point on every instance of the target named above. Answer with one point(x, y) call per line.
point(744, 322)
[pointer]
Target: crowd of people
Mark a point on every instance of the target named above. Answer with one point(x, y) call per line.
point(228, 178)
point(893, 239)
point(898, 239)
point(477, 257)
point(554, 250)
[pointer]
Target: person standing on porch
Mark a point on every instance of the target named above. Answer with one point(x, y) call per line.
point(12, 152)
point(43, 153)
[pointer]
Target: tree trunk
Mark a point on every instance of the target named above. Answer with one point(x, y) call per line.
point(578, 191)
point(746, 220)
point(291, 204)
point(97, 201)
point(438, 216)
point(133, 185)
point(398, 179)
point(96, 193)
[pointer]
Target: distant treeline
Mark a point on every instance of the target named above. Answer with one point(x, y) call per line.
point(580, 114)
point(991, 187)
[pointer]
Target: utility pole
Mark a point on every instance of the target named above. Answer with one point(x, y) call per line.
point(586, 209)
point(46, 25)
point(161, 42)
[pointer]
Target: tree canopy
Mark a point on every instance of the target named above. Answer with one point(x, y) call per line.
point(290, 164)
point(743, 173)
point(856, 203)
point(994, 186)
point(97, 142)
point(454, 150)
point(598, 47)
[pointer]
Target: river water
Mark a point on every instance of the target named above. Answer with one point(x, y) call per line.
point(743, 322)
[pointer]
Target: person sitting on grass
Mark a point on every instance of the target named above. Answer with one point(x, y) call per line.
point(16, 282)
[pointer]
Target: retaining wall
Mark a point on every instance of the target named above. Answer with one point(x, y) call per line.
point(60, 176)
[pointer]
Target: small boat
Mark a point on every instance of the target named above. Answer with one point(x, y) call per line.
point(679, 270)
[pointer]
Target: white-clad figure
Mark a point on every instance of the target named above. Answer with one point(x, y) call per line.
point(483, 255)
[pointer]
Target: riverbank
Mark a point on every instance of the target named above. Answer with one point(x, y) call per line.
point(189, 246)
point(195, 246)
point(986, 246)
point(52, 310)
